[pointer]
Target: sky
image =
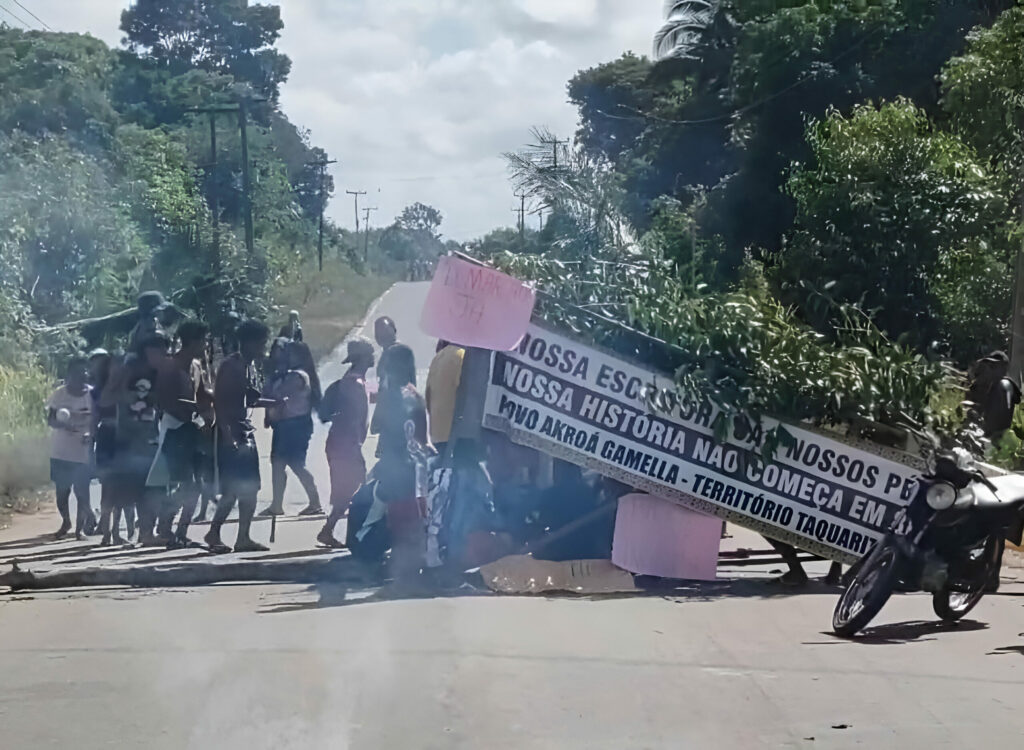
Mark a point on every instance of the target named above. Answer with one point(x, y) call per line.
point(418, 99)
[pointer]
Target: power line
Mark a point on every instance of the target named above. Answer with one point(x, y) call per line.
point(16, 18)
point(44, 23)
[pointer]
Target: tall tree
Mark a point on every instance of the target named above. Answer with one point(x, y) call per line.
point(221, 36)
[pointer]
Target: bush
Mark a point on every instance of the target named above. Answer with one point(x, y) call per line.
point(23, 457)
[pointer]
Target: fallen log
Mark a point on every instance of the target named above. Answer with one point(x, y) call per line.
point(335, 570)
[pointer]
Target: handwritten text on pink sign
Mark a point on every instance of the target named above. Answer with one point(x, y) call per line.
point(475, 306)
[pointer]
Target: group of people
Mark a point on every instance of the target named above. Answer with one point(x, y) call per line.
point(167, 433)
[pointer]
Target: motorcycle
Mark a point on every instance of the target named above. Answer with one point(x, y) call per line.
point(948, 541)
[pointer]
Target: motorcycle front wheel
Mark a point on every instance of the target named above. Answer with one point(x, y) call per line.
point(869, 590)
point(951, 606)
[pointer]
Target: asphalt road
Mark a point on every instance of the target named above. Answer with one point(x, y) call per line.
point(738, 664)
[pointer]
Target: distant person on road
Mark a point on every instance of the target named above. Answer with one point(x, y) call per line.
point(292, 330)
point(442, 386)
point(295, 390)
point(236, 392)
point(346, 407)
point(69, 412)
point(186, 406)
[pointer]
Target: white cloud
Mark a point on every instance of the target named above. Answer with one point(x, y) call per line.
point(417, 99)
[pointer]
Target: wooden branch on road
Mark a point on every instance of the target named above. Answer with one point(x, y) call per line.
point(333, 570)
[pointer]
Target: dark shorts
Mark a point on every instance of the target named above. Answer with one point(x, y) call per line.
point(69, 473)
point(182, 454)
point(239, 467)
point(290, 441)
point(122, 489)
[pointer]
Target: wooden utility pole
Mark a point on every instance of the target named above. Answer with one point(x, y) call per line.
point(215, 207)
point(355, 195)
point(1016, 370)
point(522, 213)
point(322, 166)
point(554, 143)
point(366, 246)
point(250, 239)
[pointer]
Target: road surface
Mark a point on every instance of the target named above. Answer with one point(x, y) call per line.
point(730, 665)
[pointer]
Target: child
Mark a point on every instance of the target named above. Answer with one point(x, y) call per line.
point(70, 416)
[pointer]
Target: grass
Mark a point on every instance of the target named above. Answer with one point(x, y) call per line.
point(331, 302)
point(23, 437)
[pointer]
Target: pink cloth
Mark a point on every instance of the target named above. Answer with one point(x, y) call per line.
point(475, 306)
point(658, 538)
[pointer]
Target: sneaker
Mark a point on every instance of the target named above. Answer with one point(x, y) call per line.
point(63, 530)
point(312, 510)
point(271, 511)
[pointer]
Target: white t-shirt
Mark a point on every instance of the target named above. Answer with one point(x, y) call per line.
point(73, 443)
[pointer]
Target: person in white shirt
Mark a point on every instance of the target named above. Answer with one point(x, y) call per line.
point(69, 412)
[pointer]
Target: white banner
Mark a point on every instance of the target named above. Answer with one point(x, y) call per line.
point(590, 408)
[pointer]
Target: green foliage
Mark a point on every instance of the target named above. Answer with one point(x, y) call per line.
point(219, 36)
point(895, 216)
point(414, 235)
point(983, 92)
point(68, 241)
point(55, 83)
point(23, 457)
point(728, 121)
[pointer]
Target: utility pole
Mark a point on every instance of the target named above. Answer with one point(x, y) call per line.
point(355, 194)
point(322, 166)
point(250, 239)
point(1016, 370)
point(366, 246)
point(522, 213)
point(215, 208)
point(554, 143)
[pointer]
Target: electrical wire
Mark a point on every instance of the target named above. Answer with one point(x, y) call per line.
point(16, 18)
point(44, 23)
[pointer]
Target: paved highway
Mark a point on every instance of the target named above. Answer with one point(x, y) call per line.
point(731, 665)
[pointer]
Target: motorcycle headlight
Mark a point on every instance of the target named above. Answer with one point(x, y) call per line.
point(940, 496)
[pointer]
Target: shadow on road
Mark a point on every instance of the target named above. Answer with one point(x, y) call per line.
point(912, 631)
point(328, 595)
point(685, 591)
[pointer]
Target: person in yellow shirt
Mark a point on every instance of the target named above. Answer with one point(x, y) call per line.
point(442, 386)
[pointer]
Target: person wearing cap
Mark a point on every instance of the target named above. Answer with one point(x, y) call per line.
point(151, 305)
point(346, 406)
point(292, 330)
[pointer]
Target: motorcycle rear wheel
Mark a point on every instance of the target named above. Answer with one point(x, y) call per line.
point(869, 590)
point(951, 606)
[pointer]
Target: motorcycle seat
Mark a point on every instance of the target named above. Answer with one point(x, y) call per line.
point(1009, 490)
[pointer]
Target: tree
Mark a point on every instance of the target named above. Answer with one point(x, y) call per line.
point(414, 234)
point(420, 218)
point(220, 36)
point(983, 92)
point(893, 215)
point(55, 83)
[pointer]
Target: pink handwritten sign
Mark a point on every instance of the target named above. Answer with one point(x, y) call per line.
point(476, 306)
point(655, 537)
